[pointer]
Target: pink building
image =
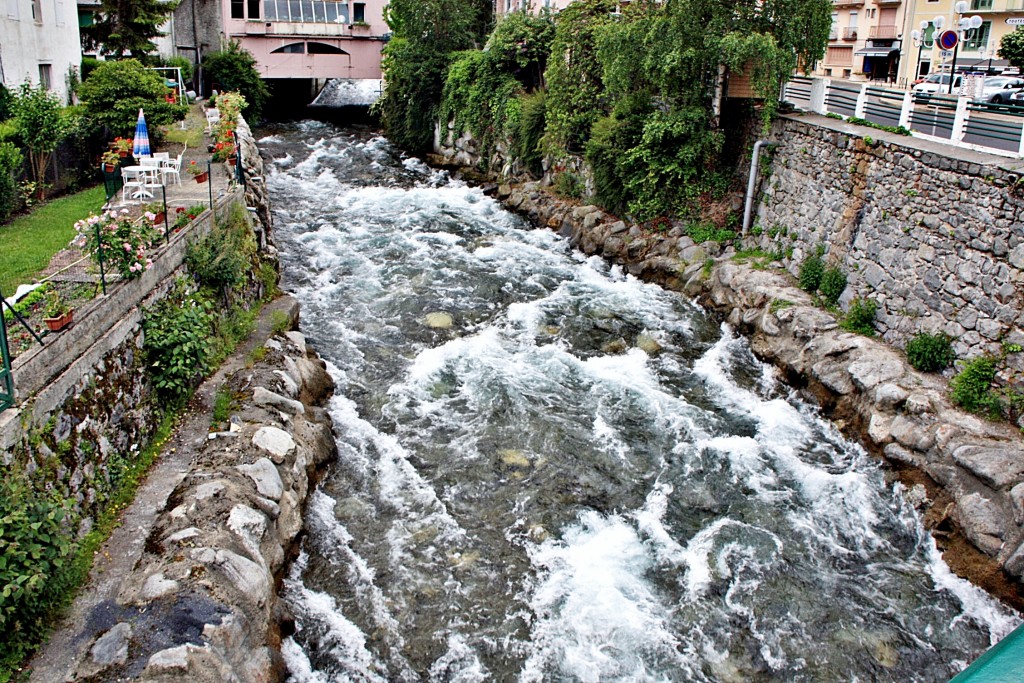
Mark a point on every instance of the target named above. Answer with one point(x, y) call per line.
point(309, 39)
point(508, 6)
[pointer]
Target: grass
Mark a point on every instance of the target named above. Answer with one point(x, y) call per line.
point(193, 133)
point(29, 242)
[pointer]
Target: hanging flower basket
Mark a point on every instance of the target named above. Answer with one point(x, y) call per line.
point(59, 323)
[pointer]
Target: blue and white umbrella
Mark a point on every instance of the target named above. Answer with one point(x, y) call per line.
point(141, 146)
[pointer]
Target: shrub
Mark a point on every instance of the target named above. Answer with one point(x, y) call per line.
point(861, 317)
point(811, 272)
point(568, 184)
point(10, 168)
point(832, 286)
point(707, 232)
point(118, 240)
point(529, 131)
point(178, 344)
point(930, 352)
point(116, 90)
point(41, 127)
point(234, 69)
point(972, 387)
point(220, 261)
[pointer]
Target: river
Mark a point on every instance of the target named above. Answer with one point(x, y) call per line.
point(551, 471)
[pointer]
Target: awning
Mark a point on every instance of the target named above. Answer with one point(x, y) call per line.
point(876, 51)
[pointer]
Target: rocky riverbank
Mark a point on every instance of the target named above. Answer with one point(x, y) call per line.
point(964, 473)
point(189, 591)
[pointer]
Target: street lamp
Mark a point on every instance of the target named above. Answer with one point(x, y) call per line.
point(919, 41)
point(966, 27)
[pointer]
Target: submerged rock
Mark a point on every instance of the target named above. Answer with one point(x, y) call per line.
point(438, 320)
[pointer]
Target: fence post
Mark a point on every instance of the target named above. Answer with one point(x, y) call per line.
point(908, 106)
point(209, 180)
point(959, 120)
point(862, 99)
point(819, 87)
point(167, 230)
point(99, 253)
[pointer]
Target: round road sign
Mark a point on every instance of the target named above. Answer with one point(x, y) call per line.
point(948, 40)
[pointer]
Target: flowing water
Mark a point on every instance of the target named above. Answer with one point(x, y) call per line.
point(550, 471)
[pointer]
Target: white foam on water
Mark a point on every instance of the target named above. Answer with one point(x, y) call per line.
point(459, 664)
point(299, 667)
point(597, 617)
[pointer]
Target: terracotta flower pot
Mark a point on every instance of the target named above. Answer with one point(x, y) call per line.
point(202, 177)
point(232, 161)
point(160, 218)
point(109, 168)
point(58, 324)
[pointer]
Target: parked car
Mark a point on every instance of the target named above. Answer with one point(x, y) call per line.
point(1017, 98)
point(938, 83)
point(998, 89)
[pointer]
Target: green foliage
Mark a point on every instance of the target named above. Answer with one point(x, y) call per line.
point(40, 125)
point(1011, 47)
point(779, 304)
point(520, 45)
point(575, 88)
point(476, 96)
point(115, 91)
point(220, 262)
point(972, 387)
point(930, 352)
point(899, 130)
point(425, 33)
point(6, 103)
point(833, 115)
point(118, 241)
point(568, 184)
point(811, 271)
point(10, 168)
point(280, 322)
point(182, 63)
point(234, 69)
point(34, 545)
point(178, 345)
point(529, 132)
point(707, 232)
point(128, 26)
point(223, 404)
point(861, 317)
point(832, 285)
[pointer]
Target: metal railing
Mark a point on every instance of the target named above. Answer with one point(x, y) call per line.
point(850, 33)
point(6, 379)
point(953, 119)
point(882, 32)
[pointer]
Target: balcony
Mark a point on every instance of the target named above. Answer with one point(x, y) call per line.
point(850, 33)
point(988, 6)
point(847, 3)
point(888, 3)
point(882, 32)
point(834, 34)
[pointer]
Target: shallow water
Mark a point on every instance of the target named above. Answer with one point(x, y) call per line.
point(550, 471)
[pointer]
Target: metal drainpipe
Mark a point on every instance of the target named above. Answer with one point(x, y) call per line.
point(752, 181)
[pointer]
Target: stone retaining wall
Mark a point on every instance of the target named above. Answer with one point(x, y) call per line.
point(200, 603)
point(938, 243)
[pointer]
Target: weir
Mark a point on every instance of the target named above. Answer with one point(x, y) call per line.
point(548, 469)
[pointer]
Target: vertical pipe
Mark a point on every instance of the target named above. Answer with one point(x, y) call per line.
point(751, 182)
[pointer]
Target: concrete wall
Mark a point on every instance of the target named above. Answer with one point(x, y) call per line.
point(938, 243)
point(50, 39)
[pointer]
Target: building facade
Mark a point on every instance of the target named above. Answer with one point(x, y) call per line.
point(39, 43)
point(865, 41)
point(978, 52)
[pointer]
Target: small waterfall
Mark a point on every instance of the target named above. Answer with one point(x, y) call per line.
point(348, 92)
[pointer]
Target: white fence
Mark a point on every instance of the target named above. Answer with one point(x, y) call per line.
point(956, 120)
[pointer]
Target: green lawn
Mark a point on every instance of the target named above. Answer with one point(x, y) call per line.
point(29, 242)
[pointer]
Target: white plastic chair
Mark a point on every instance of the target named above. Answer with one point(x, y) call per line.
point(133, 181)
point(212, 119)
point(151, 172)
point(161, 156)
point(172, 167)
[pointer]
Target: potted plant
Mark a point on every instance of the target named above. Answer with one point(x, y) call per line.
point(156, 210)
point(119, 240)
point(57, 314)
point(123, 146)
point(110, 160)
point(198, 172)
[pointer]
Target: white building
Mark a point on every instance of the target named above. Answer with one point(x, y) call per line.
point(39, 42)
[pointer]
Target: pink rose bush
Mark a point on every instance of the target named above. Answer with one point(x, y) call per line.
point(119, 240)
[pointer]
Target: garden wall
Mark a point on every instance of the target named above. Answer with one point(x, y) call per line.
point(937, 241)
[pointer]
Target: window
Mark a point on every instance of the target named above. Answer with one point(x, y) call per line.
point(237, 9)
point(312, 11)
point(359, 12)
point(980, 5)
point(847, 73)
point(979, 41)
point(44, 76)
point(254, 9)
point(291, 49)
point(37, 11)
point(58, 12)
point(12, 10)
point(314, 48)
point(853, 20)
point(839, 55)
point(828, 72)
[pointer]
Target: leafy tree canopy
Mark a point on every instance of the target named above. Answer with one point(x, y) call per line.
point(1011, 47)
point(38, 117)
point(128, 26)
point(115, 91)
point(234, 69)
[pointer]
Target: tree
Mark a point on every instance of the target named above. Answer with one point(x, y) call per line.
point(128, 26)
point(234, 69)
point(41, 127)
point(426, 33)
point(1011, 47)
point(115, 91)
